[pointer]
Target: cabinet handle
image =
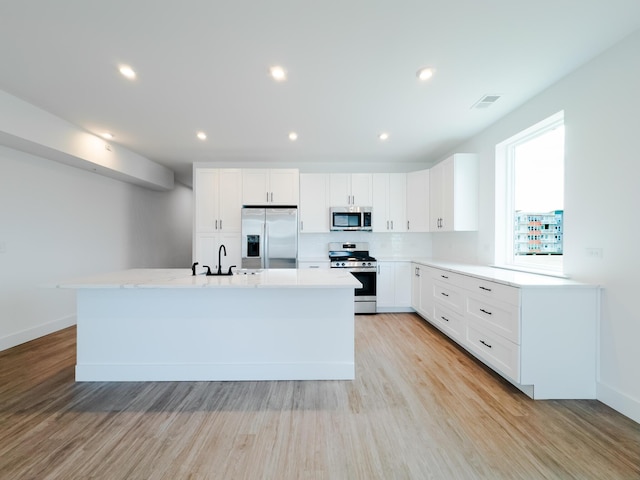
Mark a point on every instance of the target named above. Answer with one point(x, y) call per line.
point(387, 224)
point(444, 294)
point(391, 224)
point(484, 311)
point(486, 344)
point(445, 277)
point(267, 197)
point(271, 197)
point(216, 227)
point(407, 225)
point(444, 318)
point(484, 288)
point(301, 225)
point(314, 266)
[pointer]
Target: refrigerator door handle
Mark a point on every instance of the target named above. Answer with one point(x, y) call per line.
point(265, 256)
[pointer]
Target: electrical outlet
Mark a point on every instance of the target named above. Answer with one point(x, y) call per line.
point(594, 252)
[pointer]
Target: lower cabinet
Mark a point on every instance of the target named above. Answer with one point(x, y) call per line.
point(393, 287)
point(541, 335)
point(207, 246)
point(314, 264)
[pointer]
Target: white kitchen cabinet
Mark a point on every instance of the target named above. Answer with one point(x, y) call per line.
point(453, 194)
point(350, 189)
point(217, 215)
point(314, 264)
point(270, 186)
point(538, 332)
point(448, 300)
point(314, 208)
point(206, 247)
point(389, 202)
point(418, 188)
point(217, 200)
point(422, 290)
point(393, 286)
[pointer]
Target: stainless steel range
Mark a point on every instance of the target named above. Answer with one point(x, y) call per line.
point(356, 259)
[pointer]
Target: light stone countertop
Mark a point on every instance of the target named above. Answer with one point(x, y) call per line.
point(182, 278)
point(512, 278)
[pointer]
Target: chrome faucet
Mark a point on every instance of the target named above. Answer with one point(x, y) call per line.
point(222, 247)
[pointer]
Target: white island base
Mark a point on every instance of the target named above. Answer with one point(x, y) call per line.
point(217, 328)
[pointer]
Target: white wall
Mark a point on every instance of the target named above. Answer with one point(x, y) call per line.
point(601, 102)
point(58, 221)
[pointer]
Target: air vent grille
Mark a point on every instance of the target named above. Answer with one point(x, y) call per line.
point(486, 101)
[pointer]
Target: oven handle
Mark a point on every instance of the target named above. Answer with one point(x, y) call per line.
point(359, 269)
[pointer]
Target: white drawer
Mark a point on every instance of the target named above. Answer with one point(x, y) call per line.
point(498, 291)
point(498, 317)
point(495, 350)
point(305, 264)
point(449, 322)
point(449, 295)
point(446, 277)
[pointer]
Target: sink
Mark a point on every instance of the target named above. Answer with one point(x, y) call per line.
point(247, 271)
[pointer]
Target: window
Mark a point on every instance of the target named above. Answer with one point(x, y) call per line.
point(530, 198)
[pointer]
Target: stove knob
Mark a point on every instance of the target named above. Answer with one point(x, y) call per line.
point(364, 264)
point(343, 264)
point(369, 264)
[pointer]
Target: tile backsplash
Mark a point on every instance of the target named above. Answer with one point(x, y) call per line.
point(381, 245)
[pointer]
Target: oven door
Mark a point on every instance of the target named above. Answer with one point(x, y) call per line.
point(367, 277)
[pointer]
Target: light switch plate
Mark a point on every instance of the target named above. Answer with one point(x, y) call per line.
point(594, 252)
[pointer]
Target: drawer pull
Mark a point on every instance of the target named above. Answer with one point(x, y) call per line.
point(444, 318)
point(484, 288)
point(445, 294)
point(485, 344)
point(484, 311)
point(444, 276)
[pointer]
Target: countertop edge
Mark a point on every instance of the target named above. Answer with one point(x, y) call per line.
point(512, 278)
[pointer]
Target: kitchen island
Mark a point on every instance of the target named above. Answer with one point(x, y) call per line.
point(167, 325)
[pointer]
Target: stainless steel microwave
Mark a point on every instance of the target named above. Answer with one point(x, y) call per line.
point(350, 219)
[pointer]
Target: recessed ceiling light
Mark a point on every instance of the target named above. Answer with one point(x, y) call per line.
point(278, 73)
point(425, 74)
point(383, 136)
point(201, 135)
point(127, 71)
point(108, 136)
point(293, 136)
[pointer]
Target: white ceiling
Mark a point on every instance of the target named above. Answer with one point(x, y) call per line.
point(203, 65)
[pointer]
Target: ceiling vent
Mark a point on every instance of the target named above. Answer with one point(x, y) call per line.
point(486, 101)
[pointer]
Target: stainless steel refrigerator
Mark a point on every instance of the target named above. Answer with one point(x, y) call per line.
point(269, 237)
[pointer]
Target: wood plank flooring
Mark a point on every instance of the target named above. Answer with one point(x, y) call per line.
point(420, 408)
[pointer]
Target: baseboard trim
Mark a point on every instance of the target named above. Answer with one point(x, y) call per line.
point(23, 336)
point(623, 403)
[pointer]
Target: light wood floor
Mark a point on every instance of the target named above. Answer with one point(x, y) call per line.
point(420, 408)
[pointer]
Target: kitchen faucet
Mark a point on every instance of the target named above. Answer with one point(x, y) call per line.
point(222, 247)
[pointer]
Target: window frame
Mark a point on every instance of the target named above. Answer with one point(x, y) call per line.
point(504, 196)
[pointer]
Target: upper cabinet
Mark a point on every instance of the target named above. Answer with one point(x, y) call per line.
point(314, 208)
point(418, 188)
point(217, 194)
point(270, 186)
point(454, 194)
point(218, 199)
point(350, 189)
point(389, 202)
